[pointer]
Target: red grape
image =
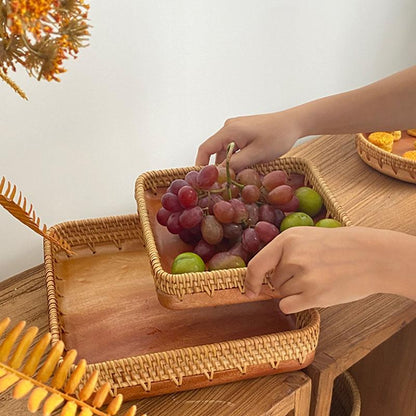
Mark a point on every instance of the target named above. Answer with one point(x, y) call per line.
point(280, 195)
point(225, 260)
point(274, 179)
point(250, 240)
point(291, 206)
point(187, 197)
point(171, 203)
point(204, 250)
point(253, 213)
point(296, 180)
point(191, 178)
point(232, 231)
point(176, 185)
point(240, 211)
point(211, 229)
point(222, 174)
point(207, 176)
point(188, 237)
point(163, 216)
point(267, 213)
point(238, 250)
point(173, 223)
point(235, 191)
point(249, 177)
point(224, 212)
point(266, 231)
point(279, 215)
point(250, 193)
point(191, 217)
point(208, 202)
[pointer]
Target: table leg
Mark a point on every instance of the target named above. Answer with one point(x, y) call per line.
point(322, 385)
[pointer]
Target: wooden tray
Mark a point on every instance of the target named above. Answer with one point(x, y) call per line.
point(191, 290)
point(102, 302)
point(391, 164)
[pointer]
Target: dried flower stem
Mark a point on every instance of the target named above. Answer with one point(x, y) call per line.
point(5, 78)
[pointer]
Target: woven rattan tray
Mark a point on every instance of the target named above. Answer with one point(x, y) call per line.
point(190, 290)
point(391, 164)
point(102, 301)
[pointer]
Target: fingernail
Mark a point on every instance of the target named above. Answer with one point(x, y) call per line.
point(250, 294)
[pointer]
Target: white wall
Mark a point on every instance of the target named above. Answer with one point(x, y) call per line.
point(161, 76)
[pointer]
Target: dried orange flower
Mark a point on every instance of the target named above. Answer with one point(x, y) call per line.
point(382, 140)
point(411, 154)
point(40, 34)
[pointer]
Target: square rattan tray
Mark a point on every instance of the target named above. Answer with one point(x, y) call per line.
point(102, 302)
point(190, 290)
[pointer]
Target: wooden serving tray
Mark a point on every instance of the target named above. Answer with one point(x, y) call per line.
point(102, 302)
point(390, 164)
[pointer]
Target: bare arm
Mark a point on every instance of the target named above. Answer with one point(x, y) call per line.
point(388, 104)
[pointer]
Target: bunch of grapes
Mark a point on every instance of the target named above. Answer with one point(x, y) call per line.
point(229, 217)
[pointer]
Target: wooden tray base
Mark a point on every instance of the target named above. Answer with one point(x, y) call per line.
point(109, 309)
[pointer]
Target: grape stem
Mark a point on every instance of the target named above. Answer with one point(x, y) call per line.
point(230, 150)
point(240, 185)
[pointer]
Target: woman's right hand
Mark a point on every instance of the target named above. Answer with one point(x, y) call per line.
point(258, 138)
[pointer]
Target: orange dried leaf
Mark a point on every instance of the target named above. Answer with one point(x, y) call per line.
point(24, 344)
point(70, 409)
point(132, 411)
point(49, 365)
point(76, 377)
point(36, 355)
point(7, 381)
point(29, 217)
point(89, 386)
point(60, 376)
point(36, 398)
point(4, 323)
point(9, 341)
point(51, 403)
point(101, 395)
point(115, 405)
point(22, 388)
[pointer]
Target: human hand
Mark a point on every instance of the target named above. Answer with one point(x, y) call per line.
point(319, 267)
point(258, 138)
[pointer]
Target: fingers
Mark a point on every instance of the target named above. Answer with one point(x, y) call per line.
point(215, 144)
point(243, 158)
point(282, 275)
point(295, 303)
point(264, 261)
point(220, 157)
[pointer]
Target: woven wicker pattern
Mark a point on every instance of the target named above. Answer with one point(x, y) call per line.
point(346, 400)
point(174, 365)
point(88, 233)
point(211, 281)
point(387, 163)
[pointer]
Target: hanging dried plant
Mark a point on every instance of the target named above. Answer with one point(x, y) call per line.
point(39, 35)
point(21, 210)
point(57, 383)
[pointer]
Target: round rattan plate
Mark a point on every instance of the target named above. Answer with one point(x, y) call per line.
point(390, 164)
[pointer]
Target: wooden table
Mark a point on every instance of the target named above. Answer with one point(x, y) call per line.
point(375, 336)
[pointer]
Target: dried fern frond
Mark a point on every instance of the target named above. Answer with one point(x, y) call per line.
point(27, 215)
point(64, 388)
